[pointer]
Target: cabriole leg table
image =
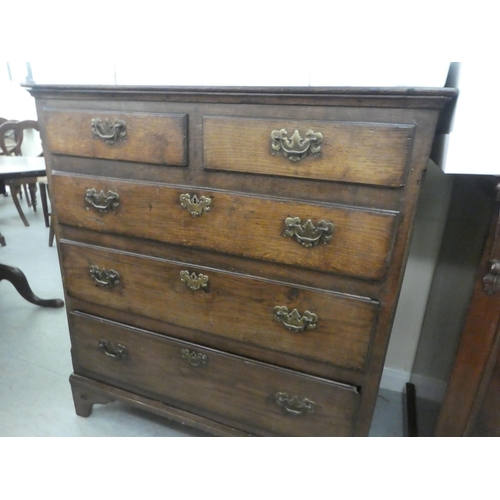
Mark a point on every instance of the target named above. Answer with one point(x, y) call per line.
point(18, 279)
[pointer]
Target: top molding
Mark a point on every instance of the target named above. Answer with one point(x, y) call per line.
point(391, 97)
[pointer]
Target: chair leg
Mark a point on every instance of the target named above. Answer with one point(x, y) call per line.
point(32, 189)
point(51, 232)
point(15, 190)
point(45, 208)
point(28, 200)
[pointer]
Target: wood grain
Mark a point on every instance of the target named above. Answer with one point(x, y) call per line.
point(87, 392)
point(237, 224)
point(229, 389)
point(366, 153)
point(237, 307)
point(486, 422)
point(367, 185)
point(151, 137)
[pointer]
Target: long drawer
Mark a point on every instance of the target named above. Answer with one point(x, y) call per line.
point(231, 390)
point(157, 138)
point(335, 239)
point(314, 324)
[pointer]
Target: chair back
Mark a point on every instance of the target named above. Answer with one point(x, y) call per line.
point(12, 135)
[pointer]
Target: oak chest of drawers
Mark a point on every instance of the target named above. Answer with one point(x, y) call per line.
point(232, 258)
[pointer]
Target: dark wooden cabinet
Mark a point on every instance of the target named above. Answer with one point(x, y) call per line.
point(232, 258)
point(471, 406)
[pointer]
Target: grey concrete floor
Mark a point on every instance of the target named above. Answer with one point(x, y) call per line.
point(35, 361)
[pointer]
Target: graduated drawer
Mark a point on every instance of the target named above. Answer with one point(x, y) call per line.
point(357, 152)
point(232, 390)
point(355, 242)
point(156, 138)
point(318, 325)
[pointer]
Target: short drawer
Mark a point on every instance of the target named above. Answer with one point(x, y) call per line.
point(366, 153)
point(137, 137)
point(335, 239)
point(322, 326)
point(258, 397)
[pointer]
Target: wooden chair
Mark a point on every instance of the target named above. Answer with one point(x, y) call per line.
point(22, 168)
point(11, 140)
point(2, 183)
point(18, 128)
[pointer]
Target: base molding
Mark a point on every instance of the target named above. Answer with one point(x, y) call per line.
point(394, 380)
point(426, 387)
point(99, 393)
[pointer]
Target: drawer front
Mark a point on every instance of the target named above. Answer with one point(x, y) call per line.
point(234, 391)
point(322, 326)
point(137, 137)
point(366, 153)
point(339, 240)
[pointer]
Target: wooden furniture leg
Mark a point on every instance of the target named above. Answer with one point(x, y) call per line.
point(45, 196)
point(15, 191)
point(45, 207)
point(32, 190)
point(20, 282)
point(26, 194)
point(51, 233)
point(85, 397)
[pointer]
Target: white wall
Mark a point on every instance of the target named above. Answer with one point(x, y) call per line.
point(198, 68)
point(15, 102)
point(470, 146)
point(430, 219)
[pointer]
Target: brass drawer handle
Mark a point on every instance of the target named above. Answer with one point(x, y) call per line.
point(492, 279)
point(115, 351)
point(195, 206)
point(295, 148)
point(294, 405)
point(108, 132)
point(104, 278)
point(491, 282)
point(193, 281)
point(194, 358)
point(308, 235)
point(101, 201)
point(294, 321)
